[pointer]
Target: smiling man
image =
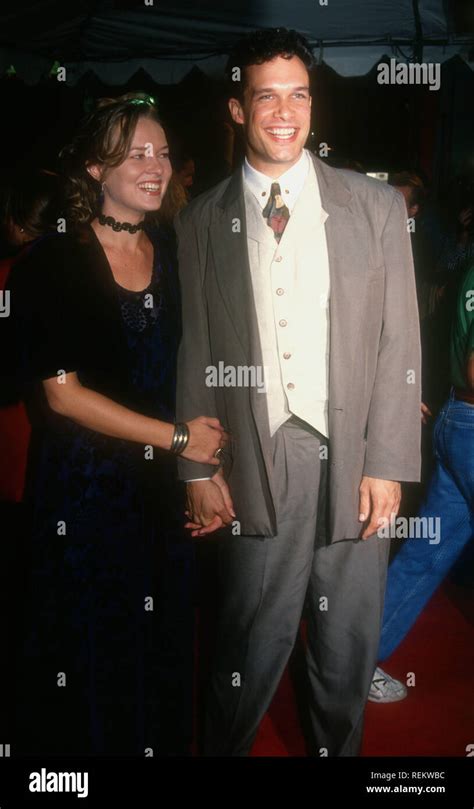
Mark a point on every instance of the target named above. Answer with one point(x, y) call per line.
point(307, 272)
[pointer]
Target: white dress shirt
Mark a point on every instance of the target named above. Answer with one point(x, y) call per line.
point(291, 182)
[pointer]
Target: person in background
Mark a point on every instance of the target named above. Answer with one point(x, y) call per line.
point(105, 665)
point(30, 208)
point(456, 254)
point(185, 169)
point(179, 190)
point(414, 191)
point(175, 200)
point(421, 565)
point(30, 211)
point(457, 251)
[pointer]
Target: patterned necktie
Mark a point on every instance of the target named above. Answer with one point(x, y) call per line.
point(275, 212)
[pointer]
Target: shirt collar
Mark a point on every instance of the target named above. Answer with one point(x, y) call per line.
point(291, 182)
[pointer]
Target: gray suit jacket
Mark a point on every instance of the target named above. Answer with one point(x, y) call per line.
point(374, 364)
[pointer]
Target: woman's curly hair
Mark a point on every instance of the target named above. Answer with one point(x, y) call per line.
point(104, 138)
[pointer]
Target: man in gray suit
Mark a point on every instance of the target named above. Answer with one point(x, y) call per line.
point(300, 333)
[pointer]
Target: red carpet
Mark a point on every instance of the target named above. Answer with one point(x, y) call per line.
point(436, 719)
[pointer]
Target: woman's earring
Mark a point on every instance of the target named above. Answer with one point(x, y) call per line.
point(101, 195)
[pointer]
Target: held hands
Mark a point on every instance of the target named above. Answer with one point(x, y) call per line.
point(378, 499)
point(209, 505)
point(206, 436)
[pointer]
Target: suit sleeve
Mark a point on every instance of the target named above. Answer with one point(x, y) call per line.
point(394, 421)
point(193, 397)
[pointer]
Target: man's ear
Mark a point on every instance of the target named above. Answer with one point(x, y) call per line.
point(236, 111)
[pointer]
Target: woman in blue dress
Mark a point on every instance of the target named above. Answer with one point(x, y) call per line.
point(105, 661)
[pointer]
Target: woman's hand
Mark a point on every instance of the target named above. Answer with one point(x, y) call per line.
point(103, 415)
point(206, 436)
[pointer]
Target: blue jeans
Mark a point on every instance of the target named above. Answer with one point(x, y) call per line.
point(421, 564)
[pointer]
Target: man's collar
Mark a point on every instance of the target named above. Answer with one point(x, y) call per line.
point(291, 182)
point(332, 186)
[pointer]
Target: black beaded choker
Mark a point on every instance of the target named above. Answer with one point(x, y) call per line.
point(111, 222)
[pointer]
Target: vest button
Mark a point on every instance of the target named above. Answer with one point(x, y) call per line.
point(286, 355)
point(280, 291)
point(282, 323)
point(279, 258)
point(290, 386)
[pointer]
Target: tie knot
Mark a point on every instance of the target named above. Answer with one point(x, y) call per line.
point(275, 190)
point(276, 212)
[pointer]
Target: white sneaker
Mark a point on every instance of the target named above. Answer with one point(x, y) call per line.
point(384, 688)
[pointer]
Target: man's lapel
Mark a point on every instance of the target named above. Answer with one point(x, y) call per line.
point(258, 228)
point(347, 245)
point(231, 261)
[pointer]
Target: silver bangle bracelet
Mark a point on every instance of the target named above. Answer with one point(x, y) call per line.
point(180, 438)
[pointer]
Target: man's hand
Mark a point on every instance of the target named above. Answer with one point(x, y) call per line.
point(378, 499)
point(209, 505)
point(220, 480)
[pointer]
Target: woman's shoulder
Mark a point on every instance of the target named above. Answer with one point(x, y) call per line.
point(56, 260)
point(74, 240)
point(57, 244)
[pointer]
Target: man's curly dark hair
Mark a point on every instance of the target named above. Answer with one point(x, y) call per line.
point(263, 46)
